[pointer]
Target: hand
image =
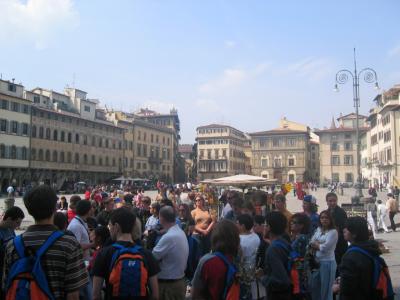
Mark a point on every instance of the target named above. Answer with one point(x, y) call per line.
point(315, 245)
point(259, 273)
point(336, 288)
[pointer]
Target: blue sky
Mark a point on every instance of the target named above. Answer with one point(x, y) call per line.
point(242, 63)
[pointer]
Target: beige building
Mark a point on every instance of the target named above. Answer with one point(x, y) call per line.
point(186, 152)
point(282, 153)
point(149, 148)
point(15, 126)
point(220, 151)
point(337, 148)
point(381, 162)
point(71, 140)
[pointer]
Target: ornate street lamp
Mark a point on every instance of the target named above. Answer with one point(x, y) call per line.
point(342, 77)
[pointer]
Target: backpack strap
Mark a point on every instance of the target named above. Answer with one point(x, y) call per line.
point(19, 246)
point(230, 272)
point(375, 260)
point(120, 249)
point(50, 241)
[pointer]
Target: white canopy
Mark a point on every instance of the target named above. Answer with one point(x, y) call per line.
point(241, 180)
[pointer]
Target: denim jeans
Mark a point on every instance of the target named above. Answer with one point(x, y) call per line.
point(321, 281)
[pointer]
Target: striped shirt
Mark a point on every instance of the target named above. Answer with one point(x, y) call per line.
point(62, 263)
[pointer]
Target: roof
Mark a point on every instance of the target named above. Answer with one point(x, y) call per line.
point(339, 129)
point(278, 131)
point(351, 116)
point(185, 148)
point(214, 125)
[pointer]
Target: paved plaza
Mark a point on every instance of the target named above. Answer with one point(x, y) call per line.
point(391, 240)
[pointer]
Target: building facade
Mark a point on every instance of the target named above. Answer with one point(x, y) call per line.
point(186, 152)
point(282, 153)
point(220, 151)
point(382, 161)
point(338, 150)
point(15, 127)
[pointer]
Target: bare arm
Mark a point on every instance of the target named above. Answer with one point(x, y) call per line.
point(97, 285)
point(153, 283)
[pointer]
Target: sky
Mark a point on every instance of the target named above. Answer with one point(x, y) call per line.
point(241, 63)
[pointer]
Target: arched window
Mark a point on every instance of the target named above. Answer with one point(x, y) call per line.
point(33, 154)
point(33, 131)
point(55, 156)
point(55, 135)
point(69, 157)
point(13, 152)
point(107, 143)
point(47, 157)
point(2, 151)
point(40, 156)
point(85, 161)
point(291, 160)
point(77, 138)
point(24, 153)
point(41, 132)
point(48, 133)
point(93, 141)
point(69, 137)
point(62, 136)
point(62, 157)
point(107, 161)
point(85, 139)
point(264, 161)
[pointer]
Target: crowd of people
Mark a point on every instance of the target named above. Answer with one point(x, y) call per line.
point(119, 244)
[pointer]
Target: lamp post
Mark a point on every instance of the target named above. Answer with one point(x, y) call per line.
point(342, 77)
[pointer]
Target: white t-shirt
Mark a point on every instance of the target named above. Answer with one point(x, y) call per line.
point(249, 244)
point(327, 244)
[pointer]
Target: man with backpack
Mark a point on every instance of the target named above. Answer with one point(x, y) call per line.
point(277, 280)
point(363, 273)
point(129, 271)
point(59, 270)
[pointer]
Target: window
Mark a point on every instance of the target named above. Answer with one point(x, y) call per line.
point(277, 162)
point(85, 159)
point(374, 140)
point(14, 127)
point(47, 156)
point(3, 125)
point(335, 177)
point(291, 142)
point(85, 140)
point(55, 135)
point(33, 154)
point(77, 158)
point(12, 87)
point(41, 132)
point(264, 162)
point(334, 137)
point(69, 157)
point(335, 160)
point(334, 146)
point(100, 161)
point(87, 108)
point(348, 160)
point(348, 146)
point(13, 152)
point(387, 136)
point(389, 154)
point(55, 156)
point(15, 106)
point(138, 165)
point(145, 150)
point(275, 142)
point(40, 156)
point(62, 137)
point(25, 109)
point(347, 136)
point(93, 160)
point(113, 162)
point(62, 158)
point(107, 143)
point(291, 161)
point(144, 166)
point(24, 129)
point(139, 150)
point(209, 154)
point(349, 177)
point(157, 139)
point(69, 137)
point(47, 133)
point(33, 131)
point(36, 99)
point(151, 138)
point(77, 138)
point(4, 104)
point(2, 151)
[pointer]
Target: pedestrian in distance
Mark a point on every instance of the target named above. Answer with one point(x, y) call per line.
point(381, 215)
point(393, 209)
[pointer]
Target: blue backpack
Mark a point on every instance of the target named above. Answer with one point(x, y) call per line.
point(26, 279)
point(294, 259)
point(128, 272)
point(382, 282)
point(232, 287)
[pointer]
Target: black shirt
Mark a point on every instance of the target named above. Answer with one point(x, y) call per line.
point(101, 267)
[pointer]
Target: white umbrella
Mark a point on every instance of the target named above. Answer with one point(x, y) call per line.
point(241, 180)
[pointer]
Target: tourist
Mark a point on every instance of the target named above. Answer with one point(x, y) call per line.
point(324, 242)
point(100, 237)
point(259, 228)
point(61, 221)
point(310, 209)
point(393, 209)
point(62, 263)
point(381, 216)
point(121, 224)
point(339, 217)
point(62, 205)
point(204, 224)
point(357, 267)
point(78, 226)
point(72, 206)
point(209, 281)
point(103, 216)
point(249, 243)
point(143, 213)
point(280, 205)
point(276, 277)
point(172, 253)
point(185, 217)
point(236, 202)
point(300, 234)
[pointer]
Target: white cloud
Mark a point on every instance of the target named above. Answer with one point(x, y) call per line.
point(158, 106)
point(311, 68)
point(207, 105)
point(395, 51)
point(230, 44)
point(232, 78)
point(35, 21)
